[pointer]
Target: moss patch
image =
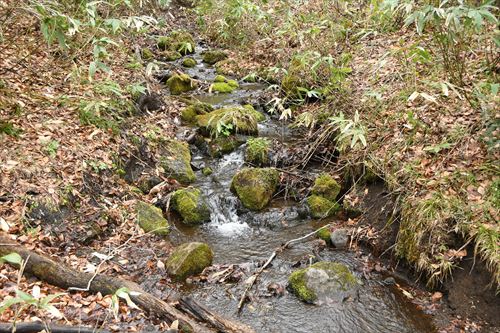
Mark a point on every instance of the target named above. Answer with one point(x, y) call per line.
point(223, 85)
point(189, 113)
point(147, 54)
point(180, 83)
point(297, 283)
point(321, 207)
point(191, 205)
point(171, 55)
point(189, 62)
point(150, 219)
point(223, 145)
point(177, 41)
point(243, 119)
point(255, 186)
point(257, 152)
point(189, 259)
point(326, 187)
point(324, 234)
point(207, 171)
point(213, 56)
point(176, 161)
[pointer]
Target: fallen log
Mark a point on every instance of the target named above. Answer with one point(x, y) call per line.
point(38, 327)
point(60, 275)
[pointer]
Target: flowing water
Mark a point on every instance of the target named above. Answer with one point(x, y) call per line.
point(248, 238)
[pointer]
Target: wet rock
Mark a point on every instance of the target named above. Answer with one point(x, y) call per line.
point(390, 281)
point(146, 183)
point(324, 234)
point(223, 85)
point(241, 119)
point(179, 41)
point(171, 55)
point(339, 238)
point(323, 281)
point(150, 219)
point(213, 56)
point(224, 145)
point(189, 62)
point(257, 152)
point(255, 186)
point(176, 161)
point(189, 113)
point(326, 187)
point(191, 205)
point(149, 102)
point(163, 76)
point(189, 259)
point(180, 83)
point(207, 171)
point(320, 207)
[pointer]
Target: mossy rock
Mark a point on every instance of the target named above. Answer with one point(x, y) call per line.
point(150, 219)
point(189, 113)
point(224, 145)
point(255, 186)
point(190, 205)
point(189, 62)
point(180, 83)
point(320, 207)
point(177, 41)
point(213, 56)
point(324, 279)
point(176, 161)
point(171, 55)
point(223, 85)
point(324, 234)
point(220, 78)
point(243, 119)
point(207, 171)
point(147, 54)
point(326, 187)
point(189, 259)
point(257, 151)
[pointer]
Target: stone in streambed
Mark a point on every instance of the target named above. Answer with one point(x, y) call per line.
point(176, 161)
point(223, 85)
point(255, 186)
point(150, 219)
point(177, 41)
point(189, 62)
point(180, 83)
point(223, 145)
point(190, 205)
point(189, 113)
point(171, 55)
point(213, 56)
point(320, 207)
point(243, 119)
point(326, 187)
point(189, 259)
point(323, 280)
point(339, 238)
point(257, 152)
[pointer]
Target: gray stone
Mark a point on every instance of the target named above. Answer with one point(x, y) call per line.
point(339, 238)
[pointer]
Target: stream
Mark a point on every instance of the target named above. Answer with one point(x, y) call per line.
point(247, 238)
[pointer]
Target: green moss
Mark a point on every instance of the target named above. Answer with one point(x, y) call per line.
point(207, 171)
point(339, 275)
point(321, 207)
point(189, 113)
point(255, 186)
point(257, 151)
point(147, 54)
point(213, 56)
point(189, 203)
point(324, 234)
point(189, 259)
point(243, 119)
point(171, 55)
point(176, 41)
point(326, 187)
point(220, 78)
point(150, 219)
point(180, 83)
point(189, 62)
point(222, 87)
point(224, 145)
point(233, 83)
point(176, 161)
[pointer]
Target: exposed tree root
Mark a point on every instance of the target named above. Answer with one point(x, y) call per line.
point(65, 277)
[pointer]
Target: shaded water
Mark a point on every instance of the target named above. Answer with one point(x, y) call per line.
point(241, 237)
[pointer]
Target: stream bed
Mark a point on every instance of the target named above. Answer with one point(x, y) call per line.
point(247, 239)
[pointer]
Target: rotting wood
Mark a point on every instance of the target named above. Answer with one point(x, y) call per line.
point(62, 276)
point(38, 327)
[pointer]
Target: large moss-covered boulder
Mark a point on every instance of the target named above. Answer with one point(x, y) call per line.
point(323, 281)
point(257, 152)
point(150, 219)
point(176, 161)
point(326, 187)
point(320, 207)
point(255, 186)
point(190, 205)
point(179, 41)
point(189, 259)
point(223, 145)
point(180, 83)
point(213, 56)
point(189, 113)
point(241, 119)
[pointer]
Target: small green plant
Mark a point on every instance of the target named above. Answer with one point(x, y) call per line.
point(9, 129)
point(123, 293)
point(51, 148)
point(185, 48)
point(351, 131)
